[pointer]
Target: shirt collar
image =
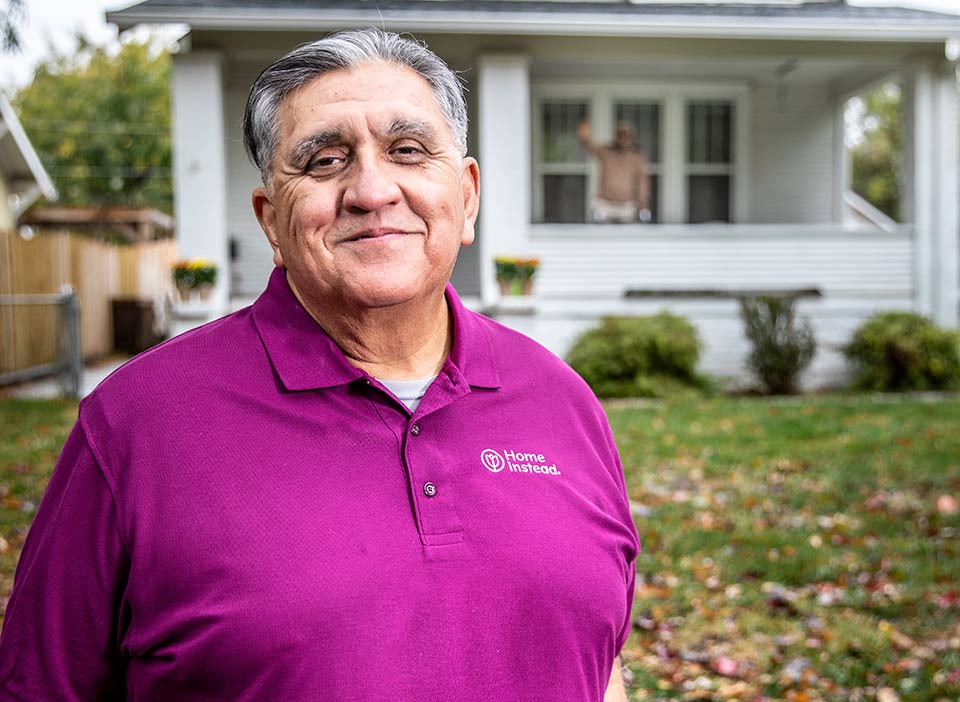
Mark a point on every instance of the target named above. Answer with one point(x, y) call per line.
point(305, 358)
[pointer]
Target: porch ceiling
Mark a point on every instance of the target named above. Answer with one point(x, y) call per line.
point(787, 68)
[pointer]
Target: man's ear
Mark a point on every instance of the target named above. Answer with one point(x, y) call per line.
point(267, 216)
point(470, 184)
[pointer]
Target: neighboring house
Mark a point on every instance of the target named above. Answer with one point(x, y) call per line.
point(22, 177)
point(740, 108)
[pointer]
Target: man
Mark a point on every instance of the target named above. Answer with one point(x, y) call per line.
point(624, 191)
point(356, 489)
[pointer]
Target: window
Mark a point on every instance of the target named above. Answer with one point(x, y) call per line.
point(709, 164)
point(562, 163)
point(644, 118)
point(686, 132)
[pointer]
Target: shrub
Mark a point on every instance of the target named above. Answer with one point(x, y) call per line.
point(638, 356)
point(781, 346)
point(897, 351)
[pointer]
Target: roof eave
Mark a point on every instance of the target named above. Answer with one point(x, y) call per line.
point(554, 24)
point(31, 160)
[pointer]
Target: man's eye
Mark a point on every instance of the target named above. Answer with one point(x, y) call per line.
point(326, 163)
point(408, 153)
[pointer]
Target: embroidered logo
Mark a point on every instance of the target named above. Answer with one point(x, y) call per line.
point(492, 460)
point(517, 462)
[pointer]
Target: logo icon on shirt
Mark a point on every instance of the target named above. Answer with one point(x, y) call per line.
point(517, 461)
point(492, 460)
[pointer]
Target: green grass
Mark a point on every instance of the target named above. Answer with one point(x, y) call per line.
point(32, 432)
point(795, 536)
point(799, 539)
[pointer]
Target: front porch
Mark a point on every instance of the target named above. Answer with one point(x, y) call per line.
point(699, 271)
point(767, 207)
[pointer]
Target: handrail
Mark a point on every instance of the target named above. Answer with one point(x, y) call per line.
point(70, 363)
point(35, 299)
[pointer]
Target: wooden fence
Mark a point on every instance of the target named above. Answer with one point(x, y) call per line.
point(99, 273)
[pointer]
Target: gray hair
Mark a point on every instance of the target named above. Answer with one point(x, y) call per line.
point(343, 51)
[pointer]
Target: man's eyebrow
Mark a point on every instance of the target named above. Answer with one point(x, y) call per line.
point(308, 146)
point(409, 127)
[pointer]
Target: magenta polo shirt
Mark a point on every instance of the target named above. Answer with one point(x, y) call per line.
point(240, 514)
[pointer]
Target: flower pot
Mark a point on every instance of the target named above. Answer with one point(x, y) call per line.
point(206, 289)
point(526, 287)
point(184, 292)
point(506, 286)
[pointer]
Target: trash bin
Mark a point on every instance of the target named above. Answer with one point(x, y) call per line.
point(134, 325)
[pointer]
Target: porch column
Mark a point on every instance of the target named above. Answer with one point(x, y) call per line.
point(931, 200)
point(503, 117)
point(199, 165)
point(946, 225)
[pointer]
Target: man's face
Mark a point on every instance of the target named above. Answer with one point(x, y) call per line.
point(370, 198)
point(624, 137)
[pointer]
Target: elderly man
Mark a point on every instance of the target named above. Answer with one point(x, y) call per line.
point(355, 489)
point(623, 194)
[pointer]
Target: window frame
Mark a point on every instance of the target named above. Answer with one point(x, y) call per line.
point(673, 168)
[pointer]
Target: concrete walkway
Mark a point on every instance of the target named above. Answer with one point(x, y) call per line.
point(50, 387)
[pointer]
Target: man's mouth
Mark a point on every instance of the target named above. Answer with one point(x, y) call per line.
point(374, 234)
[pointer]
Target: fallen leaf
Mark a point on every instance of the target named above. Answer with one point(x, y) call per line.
point(909, 665)
point(948, 505)
point(726, 666)
point(899, 639)
point(794, 670)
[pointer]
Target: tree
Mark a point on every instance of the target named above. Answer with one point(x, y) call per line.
point(877, 152)
point(100, 121)
point(10, 17)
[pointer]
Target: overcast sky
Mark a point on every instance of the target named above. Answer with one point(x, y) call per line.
point(56, 21)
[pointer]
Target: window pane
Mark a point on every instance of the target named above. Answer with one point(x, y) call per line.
point(560, 120)
point(645, 120)
point(709, 132)
point(564, 198)
point(708, 199)
point(654, 199)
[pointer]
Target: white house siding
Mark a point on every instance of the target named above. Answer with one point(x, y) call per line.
point(254, 259)
point(199, 160)
point(858, 273)
point(792, 154)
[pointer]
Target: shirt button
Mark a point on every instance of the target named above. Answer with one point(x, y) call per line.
point(415, 429)
point(429, 489)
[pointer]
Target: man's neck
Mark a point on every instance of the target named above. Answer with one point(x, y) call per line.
point(401, 342)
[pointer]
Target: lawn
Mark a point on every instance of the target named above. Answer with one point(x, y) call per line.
point(797, 549)
point(31, 435)
point(801, 549)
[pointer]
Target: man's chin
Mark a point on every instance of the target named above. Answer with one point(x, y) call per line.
point(386, 295)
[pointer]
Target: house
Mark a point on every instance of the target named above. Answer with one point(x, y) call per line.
point(739, 107)
point(22, 177)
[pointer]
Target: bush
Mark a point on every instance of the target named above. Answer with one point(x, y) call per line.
point(638, 356)
point(897, 351)
point(781, 347)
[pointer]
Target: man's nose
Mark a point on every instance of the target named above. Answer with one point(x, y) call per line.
point(372, 185)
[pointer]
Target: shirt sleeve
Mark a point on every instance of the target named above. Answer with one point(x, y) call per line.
point(64, 617)
point(632, 546)
point(631, 557)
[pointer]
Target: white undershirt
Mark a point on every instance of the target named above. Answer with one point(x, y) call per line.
point(409, 392)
